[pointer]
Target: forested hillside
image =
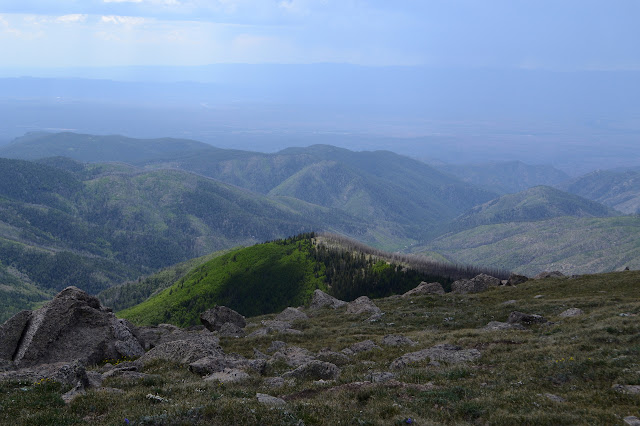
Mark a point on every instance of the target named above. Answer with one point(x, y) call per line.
point(620, 190)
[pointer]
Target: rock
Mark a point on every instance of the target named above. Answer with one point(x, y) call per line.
point(126, 374)
point(516, 317)
point(292, 314)
point(395, 340)
point(228, 375)
point(72, 326)
point(293, 356)
point(202, 345)
point(425, 288)
point(276, 345)
point(282, 327)
point(515, 279)
point(337, 358)
point(477, 284)
point(229, 329)
point(321, 299)
point(547, 274)
point(380, 377)
point(270, 400)
point(315, 370)
point(274, 382)
point(497, 325)
point(78, 390)
point(538, 296)
point(264, 331)
point(259, 355)
point(571, 312)
point(632, 421)
point(215, 318)
point(214, 364)
point(68, 374)
point(362, 305)
point(509, 302)
point(628, 389)
point(364, 346)
point(445, 352)
point(554, 398)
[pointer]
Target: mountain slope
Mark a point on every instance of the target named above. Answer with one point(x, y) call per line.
point(269, 277)
point(620, 190)
point(534, 204)
point(570, 245)
point(506, 177)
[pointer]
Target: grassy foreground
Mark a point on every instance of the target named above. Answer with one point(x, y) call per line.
point(577, 359)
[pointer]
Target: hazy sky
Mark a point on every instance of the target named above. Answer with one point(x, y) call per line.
point(539, 34)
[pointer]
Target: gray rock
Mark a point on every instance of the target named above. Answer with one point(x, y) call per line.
point(380, 377)
point(292, 314)
point(276, 345)
point(425, 288)
point(554, 398)
point(362, 305)
point(264, 331)
point(477, 284)
point(445, 353)
point(270, 400)
point(628, 389)
point(571, 312)
point(293, 356)
point(229, 329)
point(515, 279)
point(282, 327)
point(632, 421)
point(396, 340)
point(78, 390)
point(274, 382)
point(228, 375)
point(364, 346)
point(509, 302)
point(202, 345)
point(73, 326)
point(516, 317)
point(337, 358)
point(66, 373)
point(215, 318)
point(315, 370)
point(214, 364)
point(321, 299)
point(547, 274)
point(497, 325)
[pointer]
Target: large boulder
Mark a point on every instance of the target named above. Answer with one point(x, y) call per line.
point(363, 305)
point(73, 326)
point(215, 318)
point(193, 348)
point(477, 284)
point(515, 279)
point(425, 288)
point(321, 299)
point(292, 314)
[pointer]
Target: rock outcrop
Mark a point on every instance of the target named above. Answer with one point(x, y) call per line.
point(425, 288)
point(215, 318)
point(321, 299)
point(477, 284)
point(73, 326)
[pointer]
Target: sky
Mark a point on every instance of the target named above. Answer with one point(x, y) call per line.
point(560, 35)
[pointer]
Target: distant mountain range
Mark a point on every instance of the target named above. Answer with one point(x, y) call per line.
point(620, 190)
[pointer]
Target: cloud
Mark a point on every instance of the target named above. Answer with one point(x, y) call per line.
point(123, 20)
point(70, 19)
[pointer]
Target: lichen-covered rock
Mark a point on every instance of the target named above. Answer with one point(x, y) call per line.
point(364, 346)
point(292, 314)
point(363, 305)
point(396, 340)
point(497, 326)
point(571, 312)
point(231, 330)
point(515, 279)
point(321, 299)
point(228, 375)
point(215, 318)
point(293, 356)
point(445, 353)
point(72, 326)
point(315, 370)
point(337, 358)
point(201, 345)
point(516, 317)
point(477, 284)
point(380, 377)
point(425, 288)
point(270, 400)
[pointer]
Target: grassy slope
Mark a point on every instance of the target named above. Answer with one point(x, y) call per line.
point(571, 245)
point(578, 359)
point(258, 279)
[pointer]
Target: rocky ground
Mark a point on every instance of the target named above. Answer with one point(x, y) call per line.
point(558, 350)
